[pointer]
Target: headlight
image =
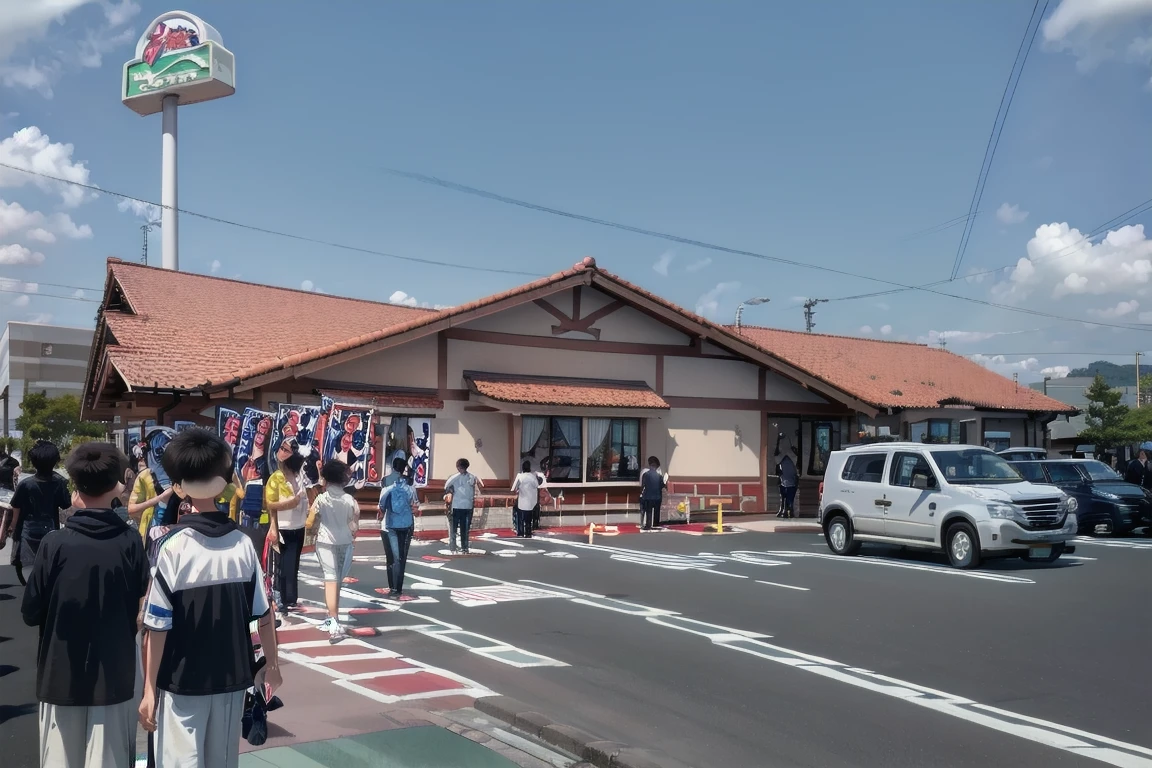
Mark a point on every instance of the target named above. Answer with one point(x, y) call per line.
point(1070, 522)
point(1104, 494)
point(1069, 505)
point(1005, 512)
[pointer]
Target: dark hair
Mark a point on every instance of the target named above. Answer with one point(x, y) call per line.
point(526, 466)
point(653, 461)
point(8, 472)
point(294, 463)
point(197, 454)
point(335, 472)
point(399, 465)
point(96, 468)
point(44, 456)
point(462, 464)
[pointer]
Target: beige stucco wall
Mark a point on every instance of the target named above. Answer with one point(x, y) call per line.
point(454, 435)
point(409, 365)
point(531, 361)
point(623, 325)
point(706, 377)
point(703, 443)
point(777, 387)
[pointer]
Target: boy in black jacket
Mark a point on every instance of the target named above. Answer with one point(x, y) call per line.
point(84, 593)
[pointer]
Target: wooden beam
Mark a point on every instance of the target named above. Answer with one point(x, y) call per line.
point(578, 345)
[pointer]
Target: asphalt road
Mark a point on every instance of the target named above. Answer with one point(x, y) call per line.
point(19, 746)
point(762, 649)
point(768, 651)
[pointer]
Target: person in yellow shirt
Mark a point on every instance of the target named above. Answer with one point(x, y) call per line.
point(286, 498)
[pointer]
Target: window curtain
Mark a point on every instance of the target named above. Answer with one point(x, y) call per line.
point(531, 429)
point(570, 428)
point(597, 431)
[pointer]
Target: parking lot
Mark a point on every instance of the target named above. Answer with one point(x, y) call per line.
point(766, 649)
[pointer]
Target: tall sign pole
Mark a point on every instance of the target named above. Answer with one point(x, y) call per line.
point(179, 60)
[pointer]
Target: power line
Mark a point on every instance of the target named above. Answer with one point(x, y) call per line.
point(998, 127)
point(263, 230)
point(1067, 250)
point(50, 295)
point(425, 179)
point(50, 285)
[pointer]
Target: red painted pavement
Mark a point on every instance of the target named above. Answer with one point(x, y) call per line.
point(365, 666)
point(406, 685)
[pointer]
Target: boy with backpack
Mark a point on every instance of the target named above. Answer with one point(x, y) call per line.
point(207, 588)
point(84, 593)
point(460, 492)
point(398, 508)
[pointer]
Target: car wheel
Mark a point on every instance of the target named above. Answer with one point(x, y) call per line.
point(962, 546)
point(838, 534)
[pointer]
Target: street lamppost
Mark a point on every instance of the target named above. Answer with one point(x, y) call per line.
point(749, 302)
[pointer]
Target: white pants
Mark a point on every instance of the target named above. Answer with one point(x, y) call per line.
point(199, 731)
point(88, 737)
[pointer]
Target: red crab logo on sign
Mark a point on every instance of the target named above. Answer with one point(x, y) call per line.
point(168, 36)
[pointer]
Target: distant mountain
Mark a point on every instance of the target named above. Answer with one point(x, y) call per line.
point(1115, 375)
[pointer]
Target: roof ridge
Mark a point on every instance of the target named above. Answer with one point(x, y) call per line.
point(834, 336)
point(117, 263)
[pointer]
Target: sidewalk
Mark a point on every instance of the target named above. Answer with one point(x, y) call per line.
point(19, 742)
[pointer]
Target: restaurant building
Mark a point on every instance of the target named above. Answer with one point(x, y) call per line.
point(581, 373)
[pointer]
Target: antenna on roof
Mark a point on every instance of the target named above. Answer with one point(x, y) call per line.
point(809, 311)
point(943, 341)
point(145, 228)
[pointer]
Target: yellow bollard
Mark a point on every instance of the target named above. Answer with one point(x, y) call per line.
point(719, 504)
point(591, 528)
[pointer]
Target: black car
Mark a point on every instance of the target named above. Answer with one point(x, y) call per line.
point(1106, 504)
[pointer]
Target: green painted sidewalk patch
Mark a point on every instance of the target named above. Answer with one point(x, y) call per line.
point(425, 746)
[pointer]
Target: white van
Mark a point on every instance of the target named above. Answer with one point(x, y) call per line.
point(963, 500)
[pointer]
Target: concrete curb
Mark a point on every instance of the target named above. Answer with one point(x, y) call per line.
point(596, 752)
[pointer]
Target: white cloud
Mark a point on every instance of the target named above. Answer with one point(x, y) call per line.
point(1098, 30)
point(32, 150)
point(662, 264)
point(1061, 261)
point(146, 211)
point(885, 330)
point(90, 51)
point(1011, 214)
point(40, 235)
point(119, 13)
point(28, 20)
point(1056, 371)
point(215, 267)
point(883, 306)
point(64, 225)
point(32, 76)
point(79, 294)
point(865, 329)
point(307, 285)
point(696, 266)
point(977, 275)
point(1003, 366)
point(41, 318)
point(18, 255)
point(399, 297)
point(10, 284)
point(1120, 310)
point(21, 301)
point(14, 218)
point(965, 337)
point(708, 305)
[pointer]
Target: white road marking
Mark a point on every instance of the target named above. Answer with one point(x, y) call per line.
point(1075, 741)
point(941, 569)
point(1116, 543)
point(785, 586)
point(722, 573)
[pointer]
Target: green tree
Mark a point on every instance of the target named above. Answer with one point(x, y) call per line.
point(1108, 425)
point(1145, 390)
point(56, 419)
point(1138, 422)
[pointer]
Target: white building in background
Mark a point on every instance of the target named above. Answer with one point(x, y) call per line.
point(40, 358)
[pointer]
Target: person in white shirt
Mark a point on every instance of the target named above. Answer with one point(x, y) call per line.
point(337, 517)
point(460, 492)
point(527, 488)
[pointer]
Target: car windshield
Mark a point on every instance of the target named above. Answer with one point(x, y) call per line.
point(1098, 470)
point(975, 466)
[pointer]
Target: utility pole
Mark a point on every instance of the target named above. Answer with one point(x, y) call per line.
point(943, 341)
point(809, 311)
point(1138, 356)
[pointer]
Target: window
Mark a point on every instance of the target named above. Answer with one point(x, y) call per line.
point(936, 431)
point(825, 439)
point(906, 467)
point(613, 449)
point(1098, 470)
point(1064, 473)
point(975, 466)
point(865, 468)
point(554, 445)
point(1033, 472)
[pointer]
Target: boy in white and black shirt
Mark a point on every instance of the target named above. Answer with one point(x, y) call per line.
point(207, 587)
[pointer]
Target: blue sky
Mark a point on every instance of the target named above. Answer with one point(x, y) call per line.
point(822, 132)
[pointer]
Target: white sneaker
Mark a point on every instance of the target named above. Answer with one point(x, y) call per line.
point(327, 625)
point(336, 632)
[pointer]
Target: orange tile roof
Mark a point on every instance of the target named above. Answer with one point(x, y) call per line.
point(578, 393)
point(892, 374)
point(190, 330)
